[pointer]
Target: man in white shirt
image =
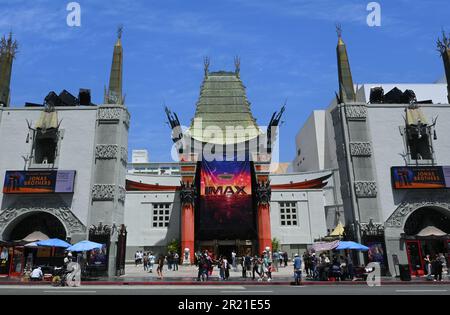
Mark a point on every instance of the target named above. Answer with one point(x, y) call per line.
point(36, 274)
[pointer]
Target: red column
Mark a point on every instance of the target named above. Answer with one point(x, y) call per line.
point(264, 230)
point(187, 230)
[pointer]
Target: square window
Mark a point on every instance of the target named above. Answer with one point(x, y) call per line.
point(283, 217)
point(283, 222)
point(167, 212)
point(167, 218)
point(155, 224)
point(294, 217)
point(161, 212)
point(282, 210)
point(288, 222)
point(161, 224)
point(288, 217)
point(155, 219)
point(167, 224)
point(155, 212)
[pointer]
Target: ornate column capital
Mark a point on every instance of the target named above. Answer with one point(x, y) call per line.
point(356, 112)
point(366, 189)
point(188, 193)
point(263, 193)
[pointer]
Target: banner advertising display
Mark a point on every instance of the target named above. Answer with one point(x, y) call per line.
point(421, 177)
point(39, 182)
point(226, 203)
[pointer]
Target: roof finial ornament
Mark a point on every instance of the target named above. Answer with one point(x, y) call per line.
point(207, 63)
point(120, 31)
point(444, 43)
point(339, 30)
point(237, 64)
point(8, 45)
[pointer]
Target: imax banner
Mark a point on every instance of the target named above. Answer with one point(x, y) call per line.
point(226, 203)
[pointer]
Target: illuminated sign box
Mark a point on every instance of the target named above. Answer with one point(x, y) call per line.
point(421, 177)
point(39, 182)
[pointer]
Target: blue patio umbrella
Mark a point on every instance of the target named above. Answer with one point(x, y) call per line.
point(85, 246)
point(54, 242)
point(352, 245)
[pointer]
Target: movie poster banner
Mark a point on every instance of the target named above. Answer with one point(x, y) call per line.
point(226, 203)
point(39, 182)
point(421, 177)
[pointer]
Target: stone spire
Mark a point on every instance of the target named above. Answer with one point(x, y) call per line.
point(444, 48)
point(346, 87)
point(113, 95)
point(8, 50)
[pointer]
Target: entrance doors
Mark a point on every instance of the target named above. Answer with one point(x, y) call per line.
point(418, 249)
point(414, 252)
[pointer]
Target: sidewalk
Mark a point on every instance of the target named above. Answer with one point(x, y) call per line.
point(187, 275)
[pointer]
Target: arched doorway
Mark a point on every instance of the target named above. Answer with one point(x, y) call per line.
point(15, 256)
point(35, 222)
point(426, 232)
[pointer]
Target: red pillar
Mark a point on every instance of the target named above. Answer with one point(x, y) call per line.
point(264, 230)
point(187, 230)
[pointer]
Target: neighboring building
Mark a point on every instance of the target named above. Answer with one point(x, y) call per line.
point(64, 166)
point(140, 156)
point(393, 159)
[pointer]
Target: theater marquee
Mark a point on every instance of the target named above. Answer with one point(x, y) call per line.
point(39, 182)
point(421, 177)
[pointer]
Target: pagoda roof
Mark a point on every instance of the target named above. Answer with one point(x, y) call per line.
point(223, 104)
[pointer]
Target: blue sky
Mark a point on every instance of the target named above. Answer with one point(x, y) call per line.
point(287, 50)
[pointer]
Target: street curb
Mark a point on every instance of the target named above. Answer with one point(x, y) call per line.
point(230, 283)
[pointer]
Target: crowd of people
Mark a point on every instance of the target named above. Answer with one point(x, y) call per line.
point(434, 266)
point(322, 268)
point(257, 267)
point(148, 261)
point(311, 266)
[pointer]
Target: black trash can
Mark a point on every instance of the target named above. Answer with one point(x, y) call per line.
point(405, 273)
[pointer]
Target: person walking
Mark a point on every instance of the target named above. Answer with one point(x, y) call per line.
point(437, 267)
point(350, 270)
point(160, 268)
point(248, 265)
point(233, 260)
point(146, 262)
point(297, 269)
point(221, 266)
point(151, 262)
point(136, 258)
point(264, 267)
point(315, 266)
point(276, 260)
point(255, 267)
point(285, 258)
point(427, 261)
point(176, 259)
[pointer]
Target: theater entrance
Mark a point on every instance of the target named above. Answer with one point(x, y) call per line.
point(427, 232)
point(219, 248)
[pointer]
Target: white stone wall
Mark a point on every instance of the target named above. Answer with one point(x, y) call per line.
point(387, 145)
point(311, 141)
point(311, 217)
point(76, 151)
point(138, 219)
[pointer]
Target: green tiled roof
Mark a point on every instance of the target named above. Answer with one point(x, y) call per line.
point(223, 104)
